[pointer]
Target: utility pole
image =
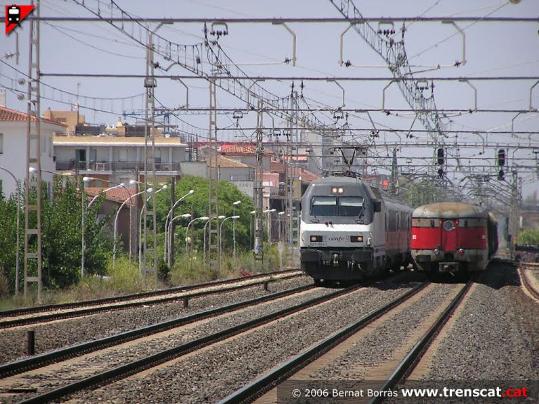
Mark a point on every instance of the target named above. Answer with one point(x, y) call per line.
point(394, 173)
point(172, 225)
point(289, 173)
point(258, 187)
point(150, 226)
point(213, 259)
point(514, 214)
point(32, 188)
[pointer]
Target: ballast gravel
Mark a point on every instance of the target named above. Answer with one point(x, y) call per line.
point(379, 345)
point(215, 372)
point(496, 336)
point(100, 361)
point(58, 334)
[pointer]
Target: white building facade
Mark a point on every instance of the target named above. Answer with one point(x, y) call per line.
point(13, 127)
point(115, 158)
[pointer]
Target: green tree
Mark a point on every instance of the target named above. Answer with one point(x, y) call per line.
point(529, 236)
point(417, 193)
point(8, 238)
point(61, 238)
point(197, 205)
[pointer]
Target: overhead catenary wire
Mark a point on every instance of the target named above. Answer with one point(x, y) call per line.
point(287, 20)
point(294, 78)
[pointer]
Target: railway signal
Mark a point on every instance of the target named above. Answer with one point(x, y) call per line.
point(501, 157)
point(441, 159)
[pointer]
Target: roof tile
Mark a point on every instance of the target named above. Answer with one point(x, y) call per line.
point(11, 115)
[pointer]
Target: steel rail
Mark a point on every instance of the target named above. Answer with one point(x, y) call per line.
point(526, 281)
point(131, 296)
point(97, 309)
point(41, 360)
point(281, 372)
point(410, 361)
point(139, 365)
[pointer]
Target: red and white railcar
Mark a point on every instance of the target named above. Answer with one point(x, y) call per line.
point(453, 236)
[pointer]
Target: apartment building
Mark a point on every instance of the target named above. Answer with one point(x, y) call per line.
point(13, 128)
point(117, 158)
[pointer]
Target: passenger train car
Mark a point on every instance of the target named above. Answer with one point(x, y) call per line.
point(350, 231)
point(452, 237)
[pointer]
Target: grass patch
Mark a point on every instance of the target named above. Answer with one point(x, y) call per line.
point(124, 278)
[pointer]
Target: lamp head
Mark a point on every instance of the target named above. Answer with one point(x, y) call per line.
point(132, 182)
point(236, 203)
point(221, 217)
point(252, 212)
point(203, 218)
point(121, 184)
point(235, 217)
point(164, 186)
point(32, 170)
point(186, 215)
point(149, 190)
point(86, 179)
point(192, 191)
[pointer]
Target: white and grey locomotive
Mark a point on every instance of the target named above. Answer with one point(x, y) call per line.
point(350, 231)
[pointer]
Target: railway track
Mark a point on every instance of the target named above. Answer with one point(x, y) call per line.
point(40, 314)
point(320, 354)
point(526, 278)
point(105, 376)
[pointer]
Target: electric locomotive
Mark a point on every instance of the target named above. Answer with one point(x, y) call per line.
point(350, 231)
point(453, 237)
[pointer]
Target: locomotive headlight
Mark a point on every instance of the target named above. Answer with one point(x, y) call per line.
point(340, 190)
point(436, 251)
point(460, 251)
point(334, 190)
point(356, 239)
point(316, 239)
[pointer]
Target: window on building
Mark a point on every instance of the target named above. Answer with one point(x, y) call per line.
point(1, 143)
point(122, 154)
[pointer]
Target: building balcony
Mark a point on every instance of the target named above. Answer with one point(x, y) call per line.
point(109, 167)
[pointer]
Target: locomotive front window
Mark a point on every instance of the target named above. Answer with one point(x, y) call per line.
point(350, 205)
point(324, 206)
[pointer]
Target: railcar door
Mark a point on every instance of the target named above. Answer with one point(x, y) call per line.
point(449, 235)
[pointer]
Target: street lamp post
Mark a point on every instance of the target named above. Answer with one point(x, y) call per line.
point(149, 190)
point(140, 228)
point(171, 235)
point(234, 217)
point(251, 225)
point(234, 204)
point(203, 218)
point(17, 254)
point(169, 214)
point(269, 212)
point(83, 221)
point(280, 241)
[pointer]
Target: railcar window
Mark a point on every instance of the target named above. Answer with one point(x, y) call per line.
point(425, 222)
point(473, 222)
point(324, 206)
point(350, 205)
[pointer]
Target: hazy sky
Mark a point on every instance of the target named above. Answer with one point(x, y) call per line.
point(492, 49)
